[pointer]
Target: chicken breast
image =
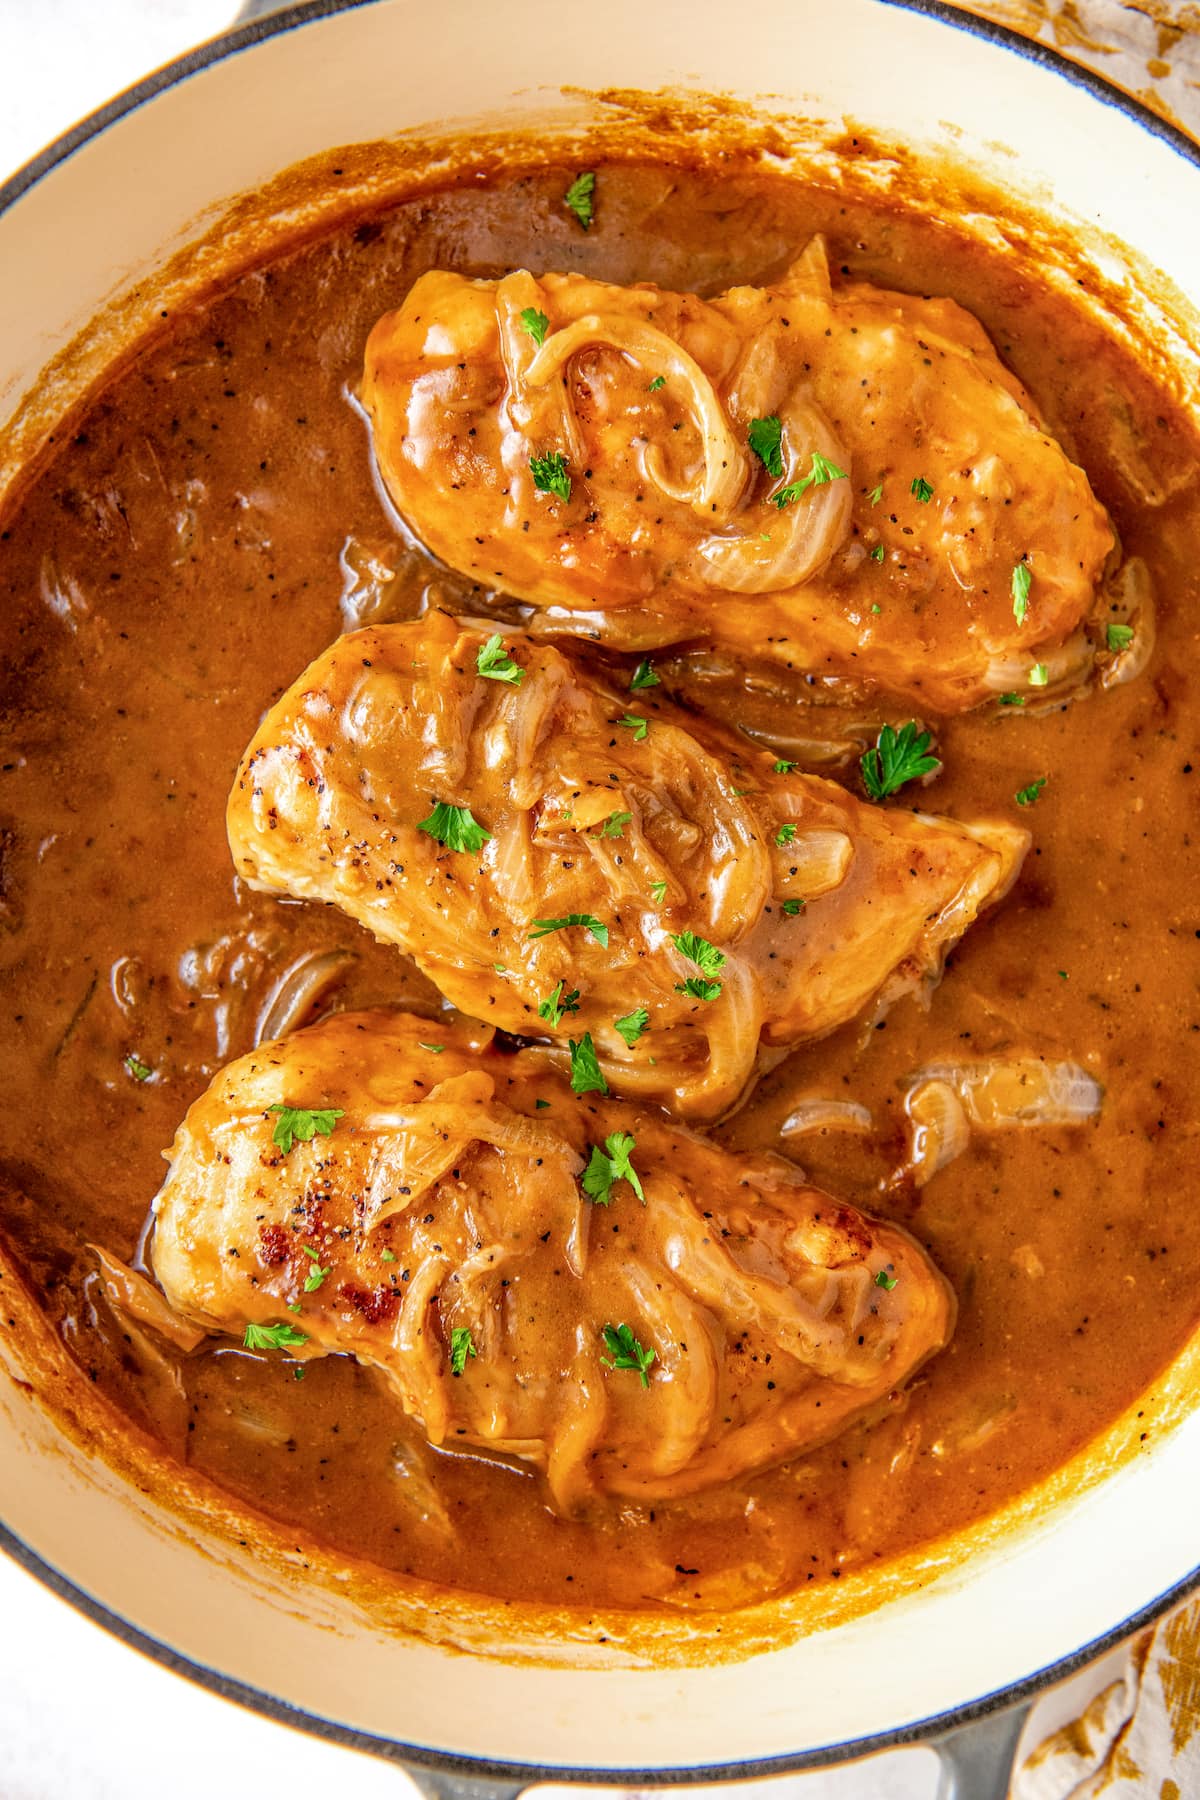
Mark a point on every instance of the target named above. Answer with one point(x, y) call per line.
point(570, 863)
point(570, 1282)
point(842, 479)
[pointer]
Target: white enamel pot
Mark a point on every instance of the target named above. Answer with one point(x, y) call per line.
point(992, 1616)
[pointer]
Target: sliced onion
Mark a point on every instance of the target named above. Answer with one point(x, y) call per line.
point(415, 1487)
point(137, 1297)
point(297, 990)
point(821, 860)
point(1003, 1093)
point(940, 1131)
point(1131, 593)
point(821, 1113)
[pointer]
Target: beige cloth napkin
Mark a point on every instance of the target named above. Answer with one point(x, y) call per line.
point(1139, 1737)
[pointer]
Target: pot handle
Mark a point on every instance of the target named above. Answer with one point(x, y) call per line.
point(455, 1784)
point(977, 1759)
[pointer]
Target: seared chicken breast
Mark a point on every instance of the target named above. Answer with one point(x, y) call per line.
point(564, 1280)
point(601, 870)
point(831, 476)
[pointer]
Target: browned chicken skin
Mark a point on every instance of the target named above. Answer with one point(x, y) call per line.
point(896, 571)
point(618, 834)
point(443, 1200)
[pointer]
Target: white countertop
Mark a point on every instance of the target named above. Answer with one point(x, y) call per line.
point(82, 1717)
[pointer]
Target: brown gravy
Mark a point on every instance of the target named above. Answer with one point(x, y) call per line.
point(177, 563)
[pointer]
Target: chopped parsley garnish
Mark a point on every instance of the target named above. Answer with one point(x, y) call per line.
point(550, 474)
point(614, 825)
point(898, 757)
point(699, 988)
point(821, 472)
point(659, 381)
point(765, 437)
point(273, 1337)
point(1012, 699)
point(643, 676)
point(454, 827)
point(587, 1077)
point(1022, 581)
point(556, 1004)
point(387, 1256)
point(877, 609)
point(884, 1280)
point(783, 766)
point(877, 556)
point(790, 907)
point(635, 723)
point(632, 1025)
point(1039, 675)
point(707, 958)
point(543, 927)
point(433, 1049)
point(611, 1165)
point(875, 495)
point(1118, 637)
point(316, 1274)
point(580, 198)
point(494, 661)
point(299, 1372)
point(624, 1352)
point(658, 892)
point(302, 1123)
point(138, 1069)
point(1028, 795)
point(536, 324)
point(921, 489)
point(784, 835)
point(462, 1345)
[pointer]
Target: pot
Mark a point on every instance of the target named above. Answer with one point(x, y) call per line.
point(978, 1624)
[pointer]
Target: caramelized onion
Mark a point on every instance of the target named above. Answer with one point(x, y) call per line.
point(137, 1297)
point(1001, 1093)
point(940, 1131)
point(1131, 596)
point(819, 1112)
point(297, 991)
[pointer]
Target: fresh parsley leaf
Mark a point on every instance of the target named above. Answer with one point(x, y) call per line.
point(624, 1352)
point(316, 1274)
point(765, 438)
point(790, 907)
point(1028, 795)
point(632, 1025)
point(1022, 581)
point(387, 1256)
point(542, 1105)
point(877, 609)
point(877, 556)
point(302, 1123)
point(273, 1337)
point(494, 662)
point(1118, 637)
point(784, 836)
point(884, 1280)
point(783, 767)
point(543, 927)
point(821, 472)
point(455, 827)
point(433, 1049)
point(707, 958)
point(635, 723)
point(659, 381)
point(142, 1071)
point(580, 198)
point(1039, 675)
point(922, 489)
point(556, 1004)
point(462, 1345)
point(299, 1372)
point(898, 757)
point(699, 988)
point(536, 324)
point(609, 1166)
point(1012, 699)
point(643, 676)
point(876, 494)
point(550, 474)
point(658, 892)
point(587, 1077)
point(294, 1306)
point(614, 825)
